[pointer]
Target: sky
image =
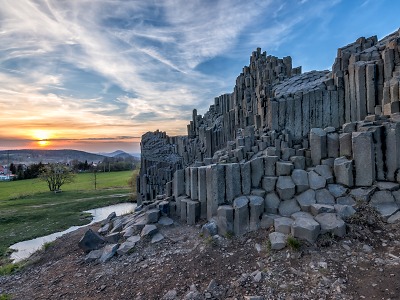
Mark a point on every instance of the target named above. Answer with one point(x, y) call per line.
point(96, 75)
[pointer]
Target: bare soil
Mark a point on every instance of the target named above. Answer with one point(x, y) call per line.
point(362, 265)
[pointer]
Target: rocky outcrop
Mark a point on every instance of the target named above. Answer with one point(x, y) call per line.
point(288, 138)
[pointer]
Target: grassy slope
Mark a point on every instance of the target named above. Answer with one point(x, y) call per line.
point(29, 210)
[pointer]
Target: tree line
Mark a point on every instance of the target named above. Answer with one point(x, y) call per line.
point(109, 164)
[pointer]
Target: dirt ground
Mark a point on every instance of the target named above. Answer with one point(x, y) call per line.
point(365, 264)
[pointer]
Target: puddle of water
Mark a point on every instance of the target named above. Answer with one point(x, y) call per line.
point(27, 248)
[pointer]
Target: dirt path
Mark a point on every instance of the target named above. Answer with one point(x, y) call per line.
point(363, 265)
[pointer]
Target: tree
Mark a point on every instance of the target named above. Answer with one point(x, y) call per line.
point(56, 175)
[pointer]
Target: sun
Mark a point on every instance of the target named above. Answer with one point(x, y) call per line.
point(42, 137)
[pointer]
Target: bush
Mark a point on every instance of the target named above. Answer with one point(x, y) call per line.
point(293, 243)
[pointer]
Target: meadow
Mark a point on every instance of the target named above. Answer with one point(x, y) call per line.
point(29, 210)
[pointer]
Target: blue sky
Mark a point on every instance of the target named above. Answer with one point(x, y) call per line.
point(96, 75)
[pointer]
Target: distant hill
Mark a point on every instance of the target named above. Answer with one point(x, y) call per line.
point(30, 156)
point(118, 153)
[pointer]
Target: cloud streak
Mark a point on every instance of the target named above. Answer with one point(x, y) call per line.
point(110, 68)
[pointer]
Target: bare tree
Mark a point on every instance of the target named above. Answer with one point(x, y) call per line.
point(56, 175)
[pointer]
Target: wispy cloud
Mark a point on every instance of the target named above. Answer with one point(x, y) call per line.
point(88, 67)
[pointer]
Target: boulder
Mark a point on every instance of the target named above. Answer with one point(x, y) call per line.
point(344, 211)
point(271, 203)
point(277, 240)
point(158, 237)
point(384, 203)
point(108, 252)
point(288, 207)
point(152, 215)
point(267, 220)
point(209, 229)
point(113, 238)
point(285, 187)
point(305, 229)
point(91, 241)
point(125, 247)
point(256, 205)
point(337, 190)
point(165, 221)
point(323, 196)
point(241, 215)
point(331, 223)
point(225, 220)
point(268, 183)
point(110, 217)
point(283, 225)
point(306, 199)
point(284, 168)
point(326, 172)
point(347, 200)
point(316, 181)
point(321, 208)
point(300, 179)
point(93, 255)
point(148, 230)
point(343, 169)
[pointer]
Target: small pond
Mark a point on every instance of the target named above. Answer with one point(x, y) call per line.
point(27, 248)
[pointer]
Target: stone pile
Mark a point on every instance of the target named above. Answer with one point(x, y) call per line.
point(119, 235)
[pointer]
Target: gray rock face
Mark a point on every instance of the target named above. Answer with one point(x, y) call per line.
point(241, 215)
point(323, 196)
point(91, 241)
point(300, 179)
point(337, 190)
point(306, 229)
point(384, 203)
point(257, 171)
point(321, 208)
point(344, 211)
point(306, 199)
point(346, 201)
point(209, 229)
point(113, 238)
point(152, 215)
point(285, 187)
point(288, 207)
point(109, 218)
point(225, 220)
point(125, 248)
point(270, 169)
point(108, 252)
point(267, 220)
point(268, 183)
point(343, 169)
point(284, 168)
point(256, 204)
point(316, 181)
point(364, 158)
point(283, 225)
point(318, 145)
point(165, 221)
point(331, 223)
point(326, 172)
point(148, 230)
point(278, 240)
point(158, 237)
point(93, 255)
point(272, 202)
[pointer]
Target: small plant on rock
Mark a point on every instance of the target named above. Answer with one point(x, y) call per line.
point(293, 243)
point(5, 297)
point(229, 235)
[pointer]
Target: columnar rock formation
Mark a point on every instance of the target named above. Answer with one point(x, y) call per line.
point(286, 143)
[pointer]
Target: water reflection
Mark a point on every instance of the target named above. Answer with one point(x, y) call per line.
point(27, 248)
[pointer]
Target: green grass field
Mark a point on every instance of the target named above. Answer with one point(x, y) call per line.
point(29, 210)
